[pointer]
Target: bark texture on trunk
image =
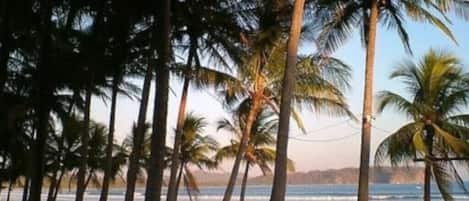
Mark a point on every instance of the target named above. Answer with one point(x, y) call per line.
point(135, 155)
point(172, 186)
point(110, 140)
point(364, 171)
point(244, 183)
point(160, 113)
point(81, 175)
point(280, 174)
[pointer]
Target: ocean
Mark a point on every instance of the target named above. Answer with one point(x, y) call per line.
point(397, 192)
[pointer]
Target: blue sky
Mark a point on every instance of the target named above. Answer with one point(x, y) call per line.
point(319, 149)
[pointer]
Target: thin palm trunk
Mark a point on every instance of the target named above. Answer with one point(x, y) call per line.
point(59, 182)
point(81, 183)
point(428, 166)
point(188, 189)
point(10, 187)
point(242, 147)
point(88, 179)
point(172, 186)
point(135, 155)
point(181, 170)
point(53, 183)
point(363, 179)
point(26, 189)
point(280, 174)
point(110, 140)
point(245, 181)
point(160, 112)
point(42, 108)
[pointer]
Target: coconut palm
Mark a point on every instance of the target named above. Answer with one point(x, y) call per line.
point(437, 89)
point(215, 38)
point(195, 151)
point(340, 19)
point(260, 151)
point(280, 177)
point(260, 84)
point(162, 14)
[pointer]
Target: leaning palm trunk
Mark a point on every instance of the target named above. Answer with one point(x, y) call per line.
point(181, 170)
point(243, 144)
point(367, 105)
point(81, 183)
point(110, 140)
point(160, 112)
point(52, 185)
point(59, 182)
point(25, 189)
point(280, 175)
point(42, 108)
point(10, 187)
point(172, 186)
point(135, 155)
point(245, 180)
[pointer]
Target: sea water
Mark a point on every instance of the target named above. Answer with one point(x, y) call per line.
point(397, 192)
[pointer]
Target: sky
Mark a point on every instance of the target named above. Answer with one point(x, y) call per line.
point(330, 142)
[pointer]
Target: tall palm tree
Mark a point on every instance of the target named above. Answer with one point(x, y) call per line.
point(259, 84)
point(214, 37)
point(42, 94)
point(280, 176)
point(195, 151)
point(340, 17)
point(259, 152)
point(160, 112)
point(437, 89)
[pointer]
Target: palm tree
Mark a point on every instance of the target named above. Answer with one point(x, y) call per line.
point(213, 38)
point(160, 112)
point(259, 84)
point(195, 150)
point(437, 89)
point(259, 151)
point(280, 176)
point(340, 17)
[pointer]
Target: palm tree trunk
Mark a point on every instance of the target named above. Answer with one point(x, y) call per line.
point(186, 183)
point(25, 189)
point(5, 40)
point(160, 112)
point(428, 166)
point(81, 185)
point(88, 179)
point(42, 95)
point(245, 181)
point(135, 155)
point(10, 187)
point(52, 185)
point(242, 147)
point(181, 170)
point(172, 186)
point(59, 182)
point(110, 140)
point(280, 174)
point(363, 179)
